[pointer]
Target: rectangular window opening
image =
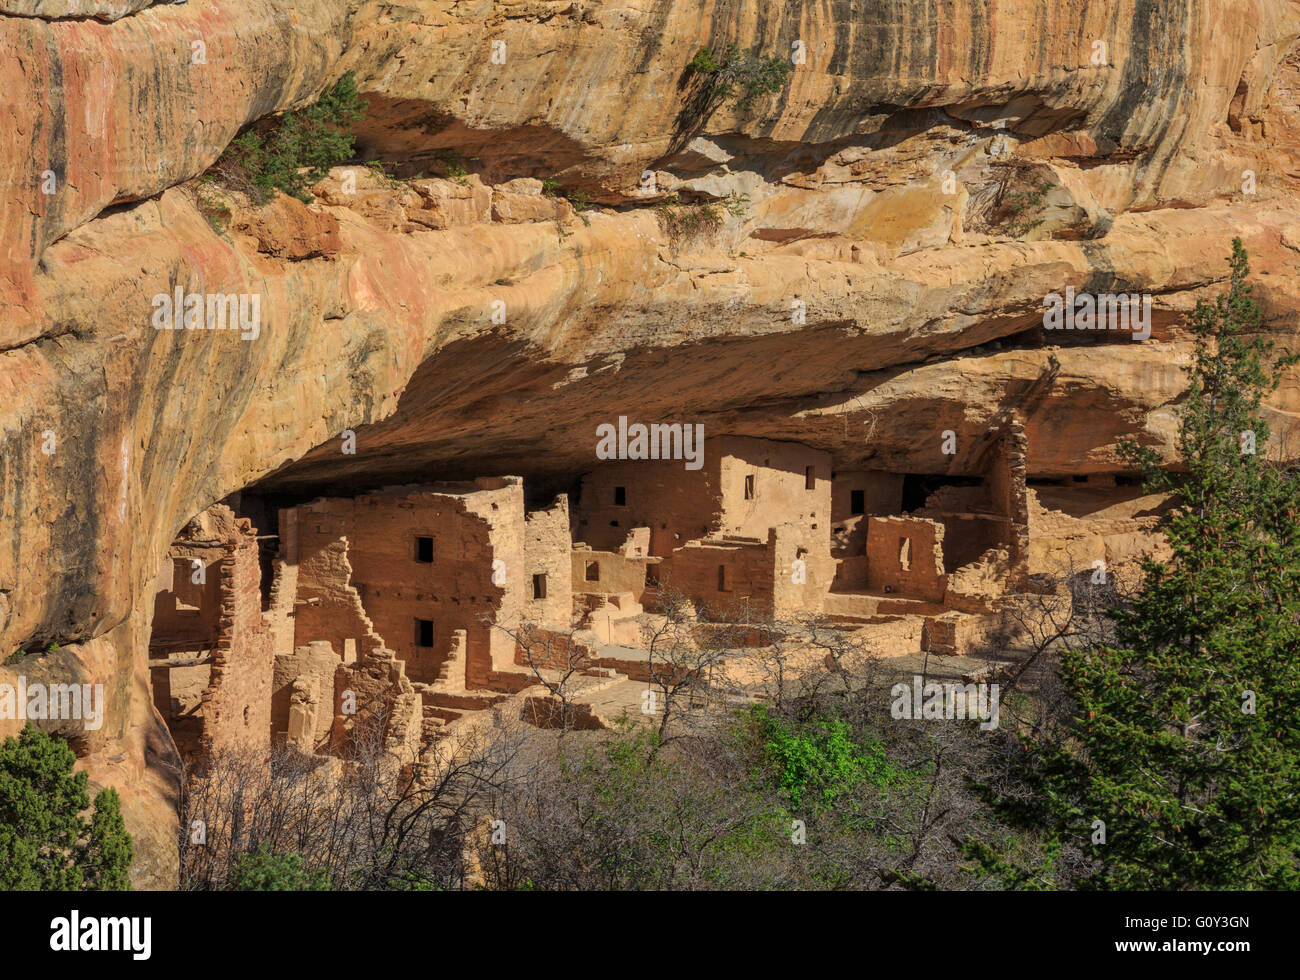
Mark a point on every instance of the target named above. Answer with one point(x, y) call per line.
point(424, 632)
point(749, 487)
point(539, 586)
point(857, 502)
point(424, 550)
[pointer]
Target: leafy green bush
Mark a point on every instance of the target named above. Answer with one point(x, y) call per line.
point(297, 150)
point(818, 762)
point(45, 843)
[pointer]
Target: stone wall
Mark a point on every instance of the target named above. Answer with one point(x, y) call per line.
point(918, 571)
point(547, 545)
point(303, 699)
point(764, 483)
point(677, 504)
point(364, 581)
point(210, 655)
point(613, 573)
point(723, 576)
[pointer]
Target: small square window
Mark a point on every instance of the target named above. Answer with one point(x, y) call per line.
point(749, 487)
point(539, 586)
point(424, 550)
point(424, 632)
point(620, 496)
point(593, 571)
point(857, 501)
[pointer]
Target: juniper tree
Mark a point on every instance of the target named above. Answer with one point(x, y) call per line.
point(1185, 737)
point(45, 842)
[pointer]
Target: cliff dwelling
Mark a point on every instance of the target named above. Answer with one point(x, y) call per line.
point(421, 594)
point(321, 325)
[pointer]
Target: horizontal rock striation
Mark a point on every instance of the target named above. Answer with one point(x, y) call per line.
point(865, 297)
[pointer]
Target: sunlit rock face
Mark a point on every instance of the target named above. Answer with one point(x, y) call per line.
point(927, 175)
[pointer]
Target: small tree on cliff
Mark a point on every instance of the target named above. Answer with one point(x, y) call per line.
point(1185, 741)
point(45, 842)
point(292, 152)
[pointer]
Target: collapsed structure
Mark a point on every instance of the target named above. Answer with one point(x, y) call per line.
point(395, 612)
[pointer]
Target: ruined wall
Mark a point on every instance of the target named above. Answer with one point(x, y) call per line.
point(747, 567)
point(326, 604)
point(803, 569)
point(237, 702)
point(210, 657)
point(472, 526)
point(615, 573)
point(967, 536)
point(284, 584)
point(303, 697)
point(923, 577)
point(1009, 492)
point(376, 709)
point(880, 494)
point(546, 552)
point(187, 603)
point(1063, 545)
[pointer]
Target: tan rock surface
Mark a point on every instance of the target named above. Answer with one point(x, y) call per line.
point(377, 307)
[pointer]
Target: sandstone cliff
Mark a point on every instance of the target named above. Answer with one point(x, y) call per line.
point(866, 298)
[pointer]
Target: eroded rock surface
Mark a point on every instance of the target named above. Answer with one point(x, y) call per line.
point(868, 296)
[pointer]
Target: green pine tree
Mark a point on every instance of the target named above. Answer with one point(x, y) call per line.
point(45, 842)
point(1186, 738)
point(265, 871)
